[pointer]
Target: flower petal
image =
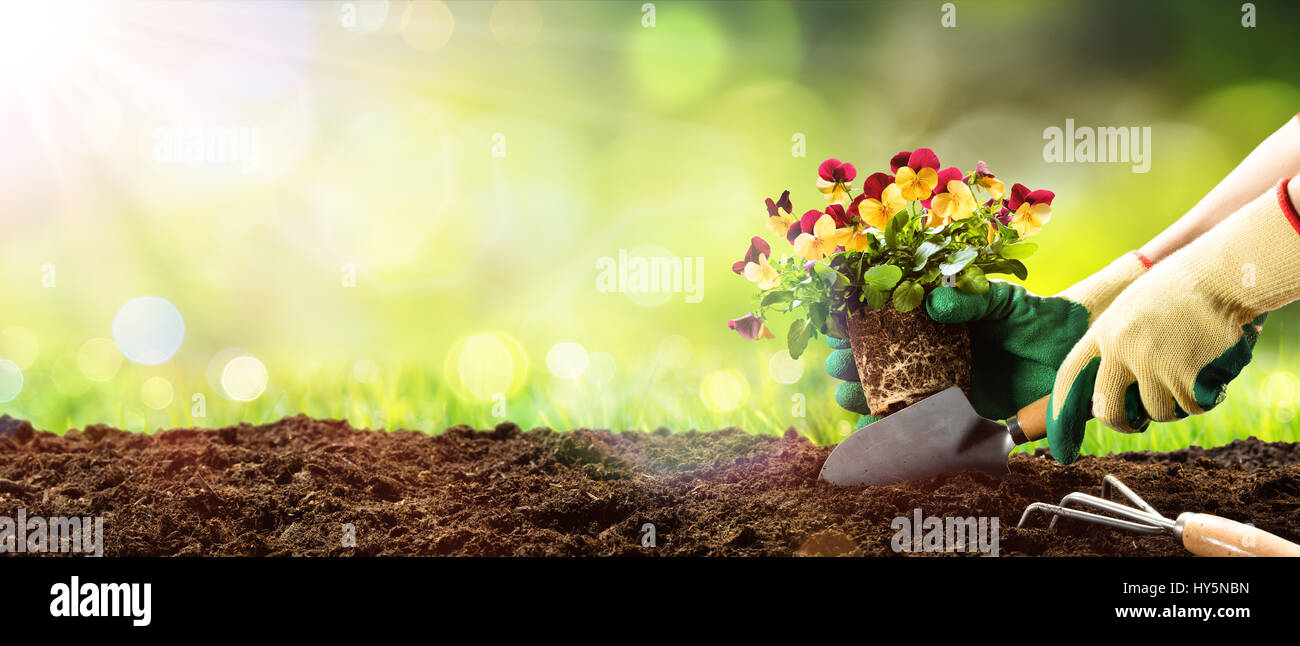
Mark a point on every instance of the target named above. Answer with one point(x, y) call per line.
point(945, 176)
point(876, 184)
point(1041, 196)
point(923, 158)
point(808, 220)
point(900, 160)
point(827, 168)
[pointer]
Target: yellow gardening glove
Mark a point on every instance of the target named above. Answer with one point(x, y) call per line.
point(1173, 339)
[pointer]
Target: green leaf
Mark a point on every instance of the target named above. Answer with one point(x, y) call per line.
point(881, 278)
point(973, 281)
point(908, 295)
point(777, 297)
point(958, 260)
point(895, 225)
point(1019, 250)
point(923, 252)
point(817, 315)
point(836, 326)
point(796, 340)
point(876, 299)
point(1014, 267)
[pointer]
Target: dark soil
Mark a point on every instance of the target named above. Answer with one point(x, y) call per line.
point(288, 488)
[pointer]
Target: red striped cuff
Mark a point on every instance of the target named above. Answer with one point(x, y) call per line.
point(1146, 262)
point(1284, 201)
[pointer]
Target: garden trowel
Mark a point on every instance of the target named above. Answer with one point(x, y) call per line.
point(939, 434)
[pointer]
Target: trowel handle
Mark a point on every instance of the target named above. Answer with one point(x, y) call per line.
point(1208, 535)
point(1030, 424)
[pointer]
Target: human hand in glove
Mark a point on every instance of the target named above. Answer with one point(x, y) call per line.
point(1170, 343)
point(1018, 339)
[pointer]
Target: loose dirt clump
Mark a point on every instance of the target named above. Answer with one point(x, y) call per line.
point(294, 487)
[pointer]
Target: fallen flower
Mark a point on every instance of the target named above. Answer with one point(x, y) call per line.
point(750, 327)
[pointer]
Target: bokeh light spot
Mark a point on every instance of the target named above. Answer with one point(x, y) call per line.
point(1282, 389)
point(783, 368)
point(11, 380)
point(681, 58)
point(515, 23)
point(484, 365)
point(724, 391)
point(157, 393)
point(217, 364)
point(148, 330)
point(19, 345)
point(244, 378)
point(600, 368)
point(567, 360)
point(427, 25)
point(99, 359)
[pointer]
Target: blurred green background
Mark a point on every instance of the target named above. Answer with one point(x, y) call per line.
point(399, 210)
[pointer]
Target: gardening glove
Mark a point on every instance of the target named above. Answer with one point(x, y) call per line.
point(1175, 338)
point(848, 395)
point(1018, 339)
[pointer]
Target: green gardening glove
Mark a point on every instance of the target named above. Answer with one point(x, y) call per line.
point(1018, 339)
point(848, 395)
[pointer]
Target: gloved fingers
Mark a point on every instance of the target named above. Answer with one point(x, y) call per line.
point(850, 397)
point(1070, 405)
point(1109, 404)
point(840, 365)
point(1185, 400)
point(837, 343)
point(951, 305)
point(1156, 397)
point(867, 420)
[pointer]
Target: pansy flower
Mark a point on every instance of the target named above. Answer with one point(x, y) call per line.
point(762, 272)
point(918, 176)
point(758, 248)
point(1030, 210)
point(750, 327)
point(777, 221)
point(984, 178)
point(818, 244)
point(946, 175)
point(833, 177)
point(881, 198)
point(954, 203)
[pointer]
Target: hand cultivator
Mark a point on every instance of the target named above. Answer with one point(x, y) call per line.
point(1201, 534)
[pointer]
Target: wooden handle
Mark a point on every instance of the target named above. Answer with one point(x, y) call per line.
point(1209, 535)
point(1032, 420)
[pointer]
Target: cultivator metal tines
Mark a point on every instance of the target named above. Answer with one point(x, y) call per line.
point(1202, 534)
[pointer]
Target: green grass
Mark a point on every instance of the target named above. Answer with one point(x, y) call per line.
point(413, 397)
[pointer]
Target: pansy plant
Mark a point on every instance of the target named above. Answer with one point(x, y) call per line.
point(906, 231)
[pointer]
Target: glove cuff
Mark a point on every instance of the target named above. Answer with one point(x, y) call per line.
point(1250, 262)
point(1096, 292)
